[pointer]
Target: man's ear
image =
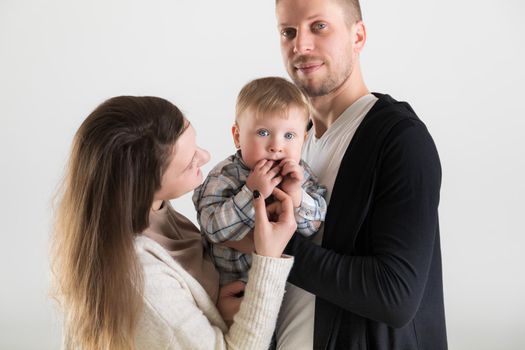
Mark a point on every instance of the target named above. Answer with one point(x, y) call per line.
point(236, 135)
point(359, 36)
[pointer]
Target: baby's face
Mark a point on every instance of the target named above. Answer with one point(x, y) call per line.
point(270, 136)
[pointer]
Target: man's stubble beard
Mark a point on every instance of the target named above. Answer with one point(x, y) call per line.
point(330, 83)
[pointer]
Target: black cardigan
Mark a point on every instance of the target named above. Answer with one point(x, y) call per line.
point(377, 275)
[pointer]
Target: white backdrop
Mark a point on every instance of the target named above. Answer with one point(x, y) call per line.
point(459, 63)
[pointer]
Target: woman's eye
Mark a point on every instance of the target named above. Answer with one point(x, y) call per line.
point(192, 162)
point(263, 132)
point(289, 135)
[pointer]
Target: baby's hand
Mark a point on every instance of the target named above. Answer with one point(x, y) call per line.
point(264, 178)
point(293, 175)
point(229, 301)
point(245, 245)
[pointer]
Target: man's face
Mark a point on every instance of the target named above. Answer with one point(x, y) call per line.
point(316, 44)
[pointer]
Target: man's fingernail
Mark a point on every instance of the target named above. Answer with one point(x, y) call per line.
point(256, 194)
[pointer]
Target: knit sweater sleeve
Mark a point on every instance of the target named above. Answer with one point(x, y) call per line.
point(255, 322)
point(176, 319)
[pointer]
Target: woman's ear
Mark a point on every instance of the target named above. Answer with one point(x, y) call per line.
point(236, 135)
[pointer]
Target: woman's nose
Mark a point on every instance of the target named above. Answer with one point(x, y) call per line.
point(204, 156)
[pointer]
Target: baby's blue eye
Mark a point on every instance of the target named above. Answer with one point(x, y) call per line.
point(263, 132)
point(319, 26)
point(289, 135)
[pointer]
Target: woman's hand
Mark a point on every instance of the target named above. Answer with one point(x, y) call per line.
point(230, 297)
point(271, 237)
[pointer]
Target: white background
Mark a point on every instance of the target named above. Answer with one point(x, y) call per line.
point(459, 64)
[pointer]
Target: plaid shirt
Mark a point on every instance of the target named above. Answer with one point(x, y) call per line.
point(225, 212)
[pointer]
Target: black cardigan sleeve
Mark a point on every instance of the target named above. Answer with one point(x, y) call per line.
point(387, 284)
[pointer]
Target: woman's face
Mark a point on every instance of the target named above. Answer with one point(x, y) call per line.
point(183, 173)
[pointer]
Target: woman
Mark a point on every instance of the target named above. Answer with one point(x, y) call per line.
point(130, 271)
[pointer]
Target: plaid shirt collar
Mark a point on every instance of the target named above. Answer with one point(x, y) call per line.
point(238, 159)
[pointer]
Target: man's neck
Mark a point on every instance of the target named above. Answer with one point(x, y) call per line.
point(330, 107)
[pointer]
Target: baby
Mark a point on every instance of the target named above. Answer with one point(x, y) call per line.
point(270, 128)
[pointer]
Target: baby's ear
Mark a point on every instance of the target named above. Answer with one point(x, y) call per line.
point(236, 135)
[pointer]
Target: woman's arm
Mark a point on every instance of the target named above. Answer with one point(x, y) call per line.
point(178, 316)
point(173, 315)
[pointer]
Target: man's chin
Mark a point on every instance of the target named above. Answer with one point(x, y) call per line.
point(310, 88)
point(315, 90)
point(315, 87)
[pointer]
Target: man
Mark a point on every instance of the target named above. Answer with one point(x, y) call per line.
point(371, 279)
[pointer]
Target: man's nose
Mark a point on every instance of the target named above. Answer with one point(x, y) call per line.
point(303, 42)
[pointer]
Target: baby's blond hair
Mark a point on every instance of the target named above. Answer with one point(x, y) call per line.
point(271, 95)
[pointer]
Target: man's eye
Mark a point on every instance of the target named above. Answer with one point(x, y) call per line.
point(263, 132)
point(288, 33)
point(289, 135)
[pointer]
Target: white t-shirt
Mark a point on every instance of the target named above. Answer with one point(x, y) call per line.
point(295, 325)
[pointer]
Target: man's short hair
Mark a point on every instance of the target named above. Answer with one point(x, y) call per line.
point(271, 95)
point(352, 8)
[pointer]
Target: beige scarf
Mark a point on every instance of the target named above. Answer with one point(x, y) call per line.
point(183, 241)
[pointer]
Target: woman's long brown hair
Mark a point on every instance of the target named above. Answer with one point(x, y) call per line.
point(117, 160)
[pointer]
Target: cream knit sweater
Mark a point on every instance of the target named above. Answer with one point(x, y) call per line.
point(179, 314)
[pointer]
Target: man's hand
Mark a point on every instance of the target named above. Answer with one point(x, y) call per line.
point(264, 177)
point(293, 175)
